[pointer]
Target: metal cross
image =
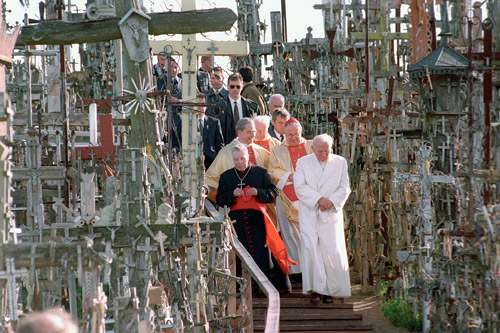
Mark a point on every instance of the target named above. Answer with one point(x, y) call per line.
point(212, 50)
point(189, 72)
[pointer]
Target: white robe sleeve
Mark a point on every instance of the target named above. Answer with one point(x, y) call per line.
point(340, 195)
point(283, 181)
point(307, 195)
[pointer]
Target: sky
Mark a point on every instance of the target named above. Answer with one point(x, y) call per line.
point(300, 13)
point(300, 16)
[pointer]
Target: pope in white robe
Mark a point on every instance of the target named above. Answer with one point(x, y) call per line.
point(322, 185)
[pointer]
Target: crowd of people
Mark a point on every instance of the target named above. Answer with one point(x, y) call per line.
point(285, 193)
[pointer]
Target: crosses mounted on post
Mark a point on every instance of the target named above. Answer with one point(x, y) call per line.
point(190, 47)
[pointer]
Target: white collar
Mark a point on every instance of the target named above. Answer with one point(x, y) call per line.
point(277, 134)
point(234, 100)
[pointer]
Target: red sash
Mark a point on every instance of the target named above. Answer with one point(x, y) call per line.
point(251, 155)
point(264, 144)
point(273, 239)
point(289, 191)
point(295, 152)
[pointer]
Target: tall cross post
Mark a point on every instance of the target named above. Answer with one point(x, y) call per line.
point(191, 49)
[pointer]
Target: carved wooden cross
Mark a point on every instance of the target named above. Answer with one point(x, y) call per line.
point(189, 47)
point(161, 238)
point(11, 274)
point(34, 173)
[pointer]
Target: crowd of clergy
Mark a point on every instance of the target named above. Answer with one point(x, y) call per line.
point(285, 193)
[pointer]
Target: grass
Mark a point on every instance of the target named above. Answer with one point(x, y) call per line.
point(400, 313)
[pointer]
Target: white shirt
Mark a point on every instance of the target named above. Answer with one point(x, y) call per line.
point(201, 121)
point(278, 135)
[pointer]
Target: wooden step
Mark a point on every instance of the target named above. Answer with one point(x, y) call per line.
point(312, 316)
point(300, 311)
point(315, 327)
point(284, 304)
point(298, 315)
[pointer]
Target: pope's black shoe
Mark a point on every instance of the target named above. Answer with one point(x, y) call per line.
point(315, 298)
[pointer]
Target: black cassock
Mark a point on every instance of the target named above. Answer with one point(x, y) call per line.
point(250, 225)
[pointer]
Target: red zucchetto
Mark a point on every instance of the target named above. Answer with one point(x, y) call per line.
point(291, 120)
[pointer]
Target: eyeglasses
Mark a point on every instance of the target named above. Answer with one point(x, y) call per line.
point(232, 86)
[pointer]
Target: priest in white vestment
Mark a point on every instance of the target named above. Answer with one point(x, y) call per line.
point(322, 185)
point(282, 165)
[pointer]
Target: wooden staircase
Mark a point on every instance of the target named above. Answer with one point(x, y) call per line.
point(297, 315)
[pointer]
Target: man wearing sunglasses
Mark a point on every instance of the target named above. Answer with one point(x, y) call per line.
point(234, 107)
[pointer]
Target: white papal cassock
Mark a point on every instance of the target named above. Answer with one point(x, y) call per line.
point(325, 268)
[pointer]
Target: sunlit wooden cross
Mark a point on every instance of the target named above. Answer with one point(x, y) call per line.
point(191, 49)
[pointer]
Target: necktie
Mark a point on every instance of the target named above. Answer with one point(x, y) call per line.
point(281, 137)
point(236, 112)
point(200, 126)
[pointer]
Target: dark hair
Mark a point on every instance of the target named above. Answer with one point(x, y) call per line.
point(201, 96)
point(171, 59)
point(282, 113)
point(246, 73)
point(234, 77)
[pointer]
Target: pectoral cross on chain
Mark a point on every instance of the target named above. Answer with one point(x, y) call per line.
point(241, 184)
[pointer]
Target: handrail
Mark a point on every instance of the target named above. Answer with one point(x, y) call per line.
point(273, 297)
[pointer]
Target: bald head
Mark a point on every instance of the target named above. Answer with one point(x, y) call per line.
point(322, 146)
point(276, 101)
point(47, 322)
point(323, 138)
point(261, 126)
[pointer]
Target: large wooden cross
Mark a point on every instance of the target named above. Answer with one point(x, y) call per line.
point(191, 49)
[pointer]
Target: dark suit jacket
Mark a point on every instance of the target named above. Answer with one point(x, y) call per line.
point(270, 130)
point(212, 138)
point(224, 112)
point(203, 81)
point(214, 98)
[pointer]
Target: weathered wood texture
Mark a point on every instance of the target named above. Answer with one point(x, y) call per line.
point(64, 33)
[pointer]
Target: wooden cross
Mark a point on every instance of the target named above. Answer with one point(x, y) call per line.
point(190, 47)
point(161, 238)
point(34, 173)
point(448, 97)
point(443, 122)
point(142, 221)
point(146, 248)
point(106, 150)
point(443, 149)
point(11, 274)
